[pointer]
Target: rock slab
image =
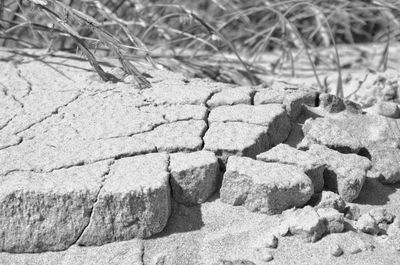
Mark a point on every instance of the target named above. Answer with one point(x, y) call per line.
point(264, 187)
point(134, 201)
point(194, 176)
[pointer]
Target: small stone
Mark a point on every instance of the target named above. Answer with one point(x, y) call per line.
point(270, 241)
point(334, 220)
point(381, 215)
point(355, 249)
point(331, 103)
point(390, 91)
point(352, 107)
point(307, 223)
point(336, 250)
point(352, 212)
point(329, 199)
point(388, 109)
point(367, 224)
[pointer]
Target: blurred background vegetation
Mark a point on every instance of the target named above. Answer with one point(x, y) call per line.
point(219, 39)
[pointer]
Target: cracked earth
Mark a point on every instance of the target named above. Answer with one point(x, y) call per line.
point(188, 171)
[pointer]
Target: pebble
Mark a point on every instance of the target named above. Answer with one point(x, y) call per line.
point(336, 250)
point(271, 241)
point(388, 109)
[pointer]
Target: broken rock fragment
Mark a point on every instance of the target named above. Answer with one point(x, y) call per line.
point(134, 201)
point(285, 154)
point(334, 220)
point(264, 187)
point(194, 176)
point(306, 223)
point(329, 199)
point(236, 138)
point(385, 158)
point(47, 211)
point(344, 173)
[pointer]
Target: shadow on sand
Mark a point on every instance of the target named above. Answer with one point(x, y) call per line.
point(376, 193)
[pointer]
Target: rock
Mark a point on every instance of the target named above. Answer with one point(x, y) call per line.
point(381, 215)
point(352, 107)
point(265, 187)
point(231, 96)
point(236, 138)
point(117, 253)
point(385, 158)
point(292, 97)
point(194, 176)
point(334, 220)
point(349, 133)
point(294, 102)
point(355, 250)
point(331, 103)
point(329, 199)
point(281, 230)
point(324, 131)
point(270, 241)
point(367, 224)
point(307, 223)
point(134, 201)
point(352, 212)
point(272, 116)
point(47, 211)
point(310, 165)
point(388, 109)
point(336, 250)
point(345, 173)
point(390, 91)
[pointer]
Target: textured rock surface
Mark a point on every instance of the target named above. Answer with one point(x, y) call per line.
point(265, 187)
point(236, 138)
point(118, 253)
point(331, 103)
point(306, 223)
point(272, 116)
point(385, 158)
point(291, 96)
point(388, 109)
point(310, 164)
point(329, 199)
point(133, 202)
point(334, 221)
point(47, 211)
point(345, 173)
point(231, 96)
point(194, 176)
point(367, 224)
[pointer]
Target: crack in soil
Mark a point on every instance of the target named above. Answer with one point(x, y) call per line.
point(103, 179)
point(54, 112)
